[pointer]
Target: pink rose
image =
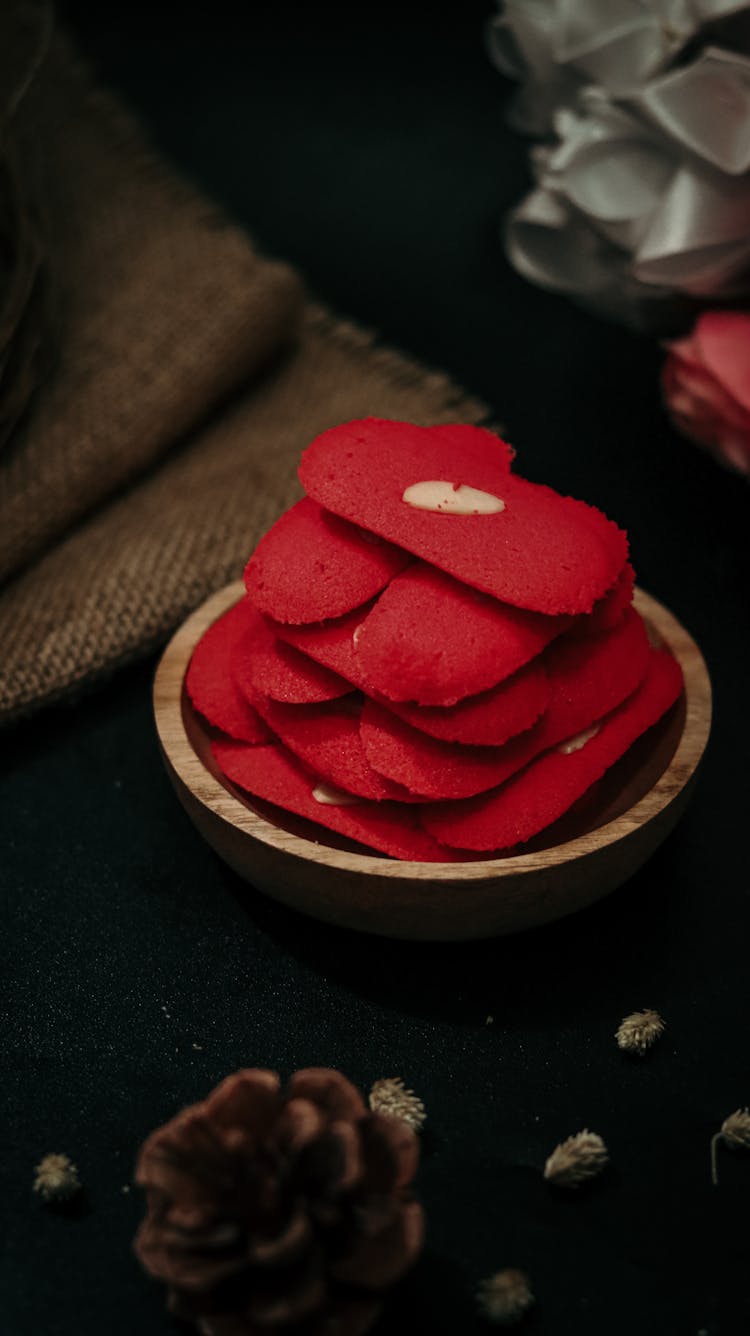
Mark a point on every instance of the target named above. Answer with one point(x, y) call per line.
point(706, 382)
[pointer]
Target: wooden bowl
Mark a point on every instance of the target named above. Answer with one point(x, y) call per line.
point(582, 858)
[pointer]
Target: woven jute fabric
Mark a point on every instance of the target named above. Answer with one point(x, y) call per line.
point(163, 306)
point(26, 316)
point(139, 486)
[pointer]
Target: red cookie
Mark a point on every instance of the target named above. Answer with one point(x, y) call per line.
point(330, 643)
point(590, 675)
point(381, 457)
point(312, 565)
point(541, 551)
point(487, 720)
point(210, 683)
point(432, 640)
point(547, 788)
point(612, 607)
point(326, 737)
point(432, 769)
point(587, 678)
point(264, 664)
point(272, 773)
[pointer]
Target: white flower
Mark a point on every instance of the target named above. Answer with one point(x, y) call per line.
point(643, 195)
point(555, 47)
point(623, 213)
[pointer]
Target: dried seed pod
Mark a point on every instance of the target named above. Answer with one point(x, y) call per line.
point(638, 1031)
point(576, 1160)
point(504, 1297)
point(391, 1096)
point(735, 1133)
point(56, 1178)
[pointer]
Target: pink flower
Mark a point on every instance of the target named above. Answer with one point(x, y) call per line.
point(706, 382)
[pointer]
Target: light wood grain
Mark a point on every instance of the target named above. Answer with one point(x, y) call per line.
point(581, 859)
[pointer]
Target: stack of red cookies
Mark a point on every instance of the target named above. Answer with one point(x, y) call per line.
point(435, 657)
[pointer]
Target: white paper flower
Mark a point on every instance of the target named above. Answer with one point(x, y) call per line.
point(646, 196)
point(554, 47)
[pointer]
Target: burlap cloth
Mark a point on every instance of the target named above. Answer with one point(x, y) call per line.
point(191, 374)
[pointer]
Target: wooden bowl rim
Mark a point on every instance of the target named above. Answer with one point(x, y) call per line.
point(211, 793)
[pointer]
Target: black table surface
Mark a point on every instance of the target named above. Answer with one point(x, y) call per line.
point(368, 146)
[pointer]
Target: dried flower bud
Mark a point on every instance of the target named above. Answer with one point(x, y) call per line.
point(735, 1133)
point(56, 1178)
point(637, 1032)
point(390, 1096)
point(576, 1160)
point(736, 1130)
point(505, 1297)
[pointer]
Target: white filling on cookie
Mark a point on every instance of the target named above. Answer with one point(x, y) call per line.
point(576, 743)
point(331, 797)
point(450, 498)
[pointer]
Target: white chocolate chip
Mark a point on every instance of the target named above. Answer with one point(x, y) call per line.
point(575, 744)
point(450, 498)
point(331, 797)
point(357, 633)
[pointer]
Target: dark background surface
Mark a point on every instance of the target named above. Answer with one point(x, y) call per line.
point(368, 146)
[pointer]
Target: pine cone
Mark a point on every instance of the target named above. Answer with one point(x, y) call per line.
point(285, 1211)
